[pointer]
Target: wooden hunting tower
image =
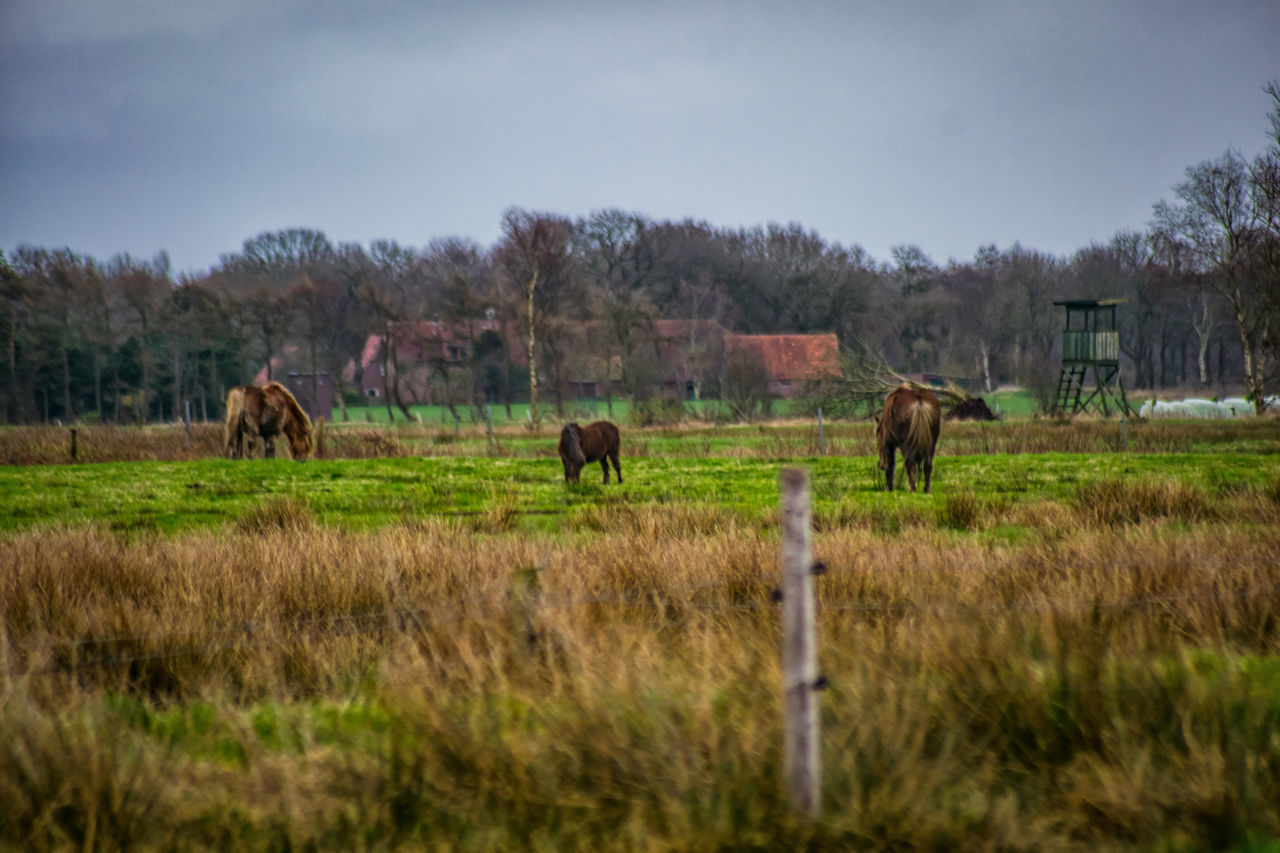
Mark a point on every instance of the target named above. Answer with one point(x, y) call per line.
point(1090, 341)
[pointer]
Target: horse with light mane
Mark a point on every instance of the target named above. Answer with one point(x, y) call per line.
point(911, 421)
point(591, 443)
point(264, 412)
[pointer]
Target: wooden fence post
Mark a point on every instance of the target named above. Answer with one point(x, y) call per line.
point(73, 444)
point(488, 425)
point(822, 444)
point(525, 593)
point(319, 438)
point(802, 767)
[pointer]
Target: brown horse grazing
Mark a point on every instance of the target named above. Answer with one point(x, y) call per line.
point(265, 411)
point(582, 444)
point(911, 421)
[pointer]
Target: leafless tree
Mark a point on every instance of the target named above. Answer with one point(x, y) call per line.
point(535, 259)
point(1216, 220)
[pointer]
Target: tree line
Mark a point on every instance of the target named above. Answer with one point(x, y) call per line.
point(124, 340)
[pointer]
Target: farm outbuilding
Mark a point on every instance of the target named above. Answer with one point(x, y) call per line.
point(313, 391)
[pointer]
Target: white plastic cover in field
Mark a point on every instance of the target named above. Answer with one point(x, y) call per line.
point(1231, 407)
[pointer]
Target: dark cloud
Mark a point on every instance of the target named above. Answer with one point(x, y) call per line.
point(135, 126)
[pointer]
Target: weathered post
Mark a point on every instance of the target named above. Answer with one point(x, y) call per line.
point(802, 768)
point(1124, 429)
point(73, 444)
point(525, 593)
point(188, 408)
point(319, 438)
point(822, 444)
point(488, 425)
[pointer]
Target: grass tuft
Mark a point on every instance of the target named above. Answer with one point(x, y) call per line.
point(1120, 502)
point(962, 510)
point(286, 513)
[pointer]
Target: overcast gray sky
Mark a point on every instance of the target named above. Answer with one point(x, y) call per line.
point(193, 126)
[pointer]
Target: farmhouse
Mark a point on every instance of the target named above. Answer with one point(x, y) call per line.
point(420, 355)
point(681, 358)
point(689, 355)
point(789, 361)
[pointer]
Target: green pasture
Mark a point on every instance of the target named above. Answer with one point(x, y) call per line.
point(518, 414)
point(1010, 404)
point(362, 493)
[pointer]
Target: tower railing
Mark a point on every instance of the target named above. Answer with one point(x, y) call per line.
point(1091, 346)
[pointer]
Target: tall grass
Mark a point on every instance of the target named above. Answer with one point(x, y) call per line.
point(449, 685)
point(775, 440)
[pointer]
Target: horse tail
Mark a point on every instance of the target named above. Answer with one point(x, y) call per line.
point(571, 441)
point(234, 426)
point(922, 428)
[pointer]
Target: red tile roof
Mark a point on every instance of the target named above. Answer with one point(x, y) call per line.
point(789, 357)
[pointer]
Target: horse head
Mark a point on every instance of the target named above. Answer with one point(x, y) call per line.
point(881, 428)
point(300, 442)
point(571, 452)
point(293, 421)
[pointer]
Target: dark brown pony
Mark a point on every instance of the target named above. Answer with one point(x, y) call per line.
point(265, 411)
point(910, 421)
point(591, 443)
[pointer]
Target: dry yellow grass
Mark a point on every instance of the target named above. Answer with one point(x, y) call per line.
point(285, 684)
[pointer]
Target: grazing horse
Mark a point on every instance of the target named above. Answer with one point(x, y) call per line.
point(265, 411)
point(975, 409)
point(911, 421)
point(591, 443)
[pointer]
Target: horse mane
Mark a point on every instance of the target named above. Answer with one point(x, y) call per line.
point(570, 437)
point(297, 421)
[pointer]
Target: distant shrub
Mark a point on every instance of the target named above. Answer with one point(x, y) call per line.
point(657, 411)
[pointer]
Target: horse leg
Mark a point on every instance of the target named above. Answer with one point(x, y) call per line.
point(909, 462)
point(268, 448)
point(613, 455)
point(889, 462)
point(604, 466)
point(928, 462)
point(249, 437)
